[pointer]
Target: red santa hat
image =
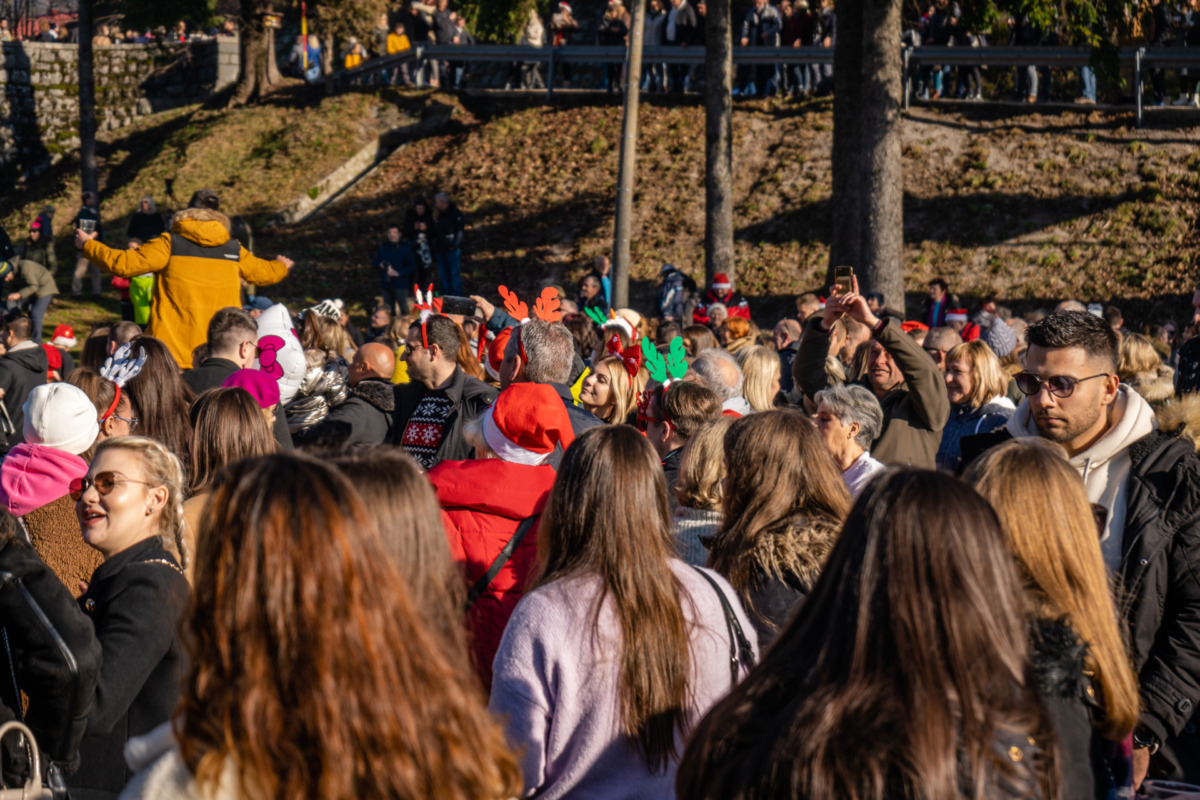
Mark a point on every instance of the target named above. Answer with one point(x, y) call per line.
point(956, 315)
point(495, 353)
point(526, 422)
point(721, 282)
point(912, 325)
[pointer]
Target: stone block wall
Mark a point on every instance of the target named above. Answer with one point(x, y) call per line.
point(39, 91)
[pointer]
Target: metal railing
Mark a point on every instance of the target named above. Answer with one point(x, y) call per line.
point(1054, 57)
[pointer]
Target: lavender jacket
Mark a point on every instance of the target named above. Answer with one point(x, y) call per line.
point(557, 693)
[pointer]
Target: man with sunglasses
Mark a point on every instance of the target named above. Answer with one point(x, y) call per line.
point(1148, 483)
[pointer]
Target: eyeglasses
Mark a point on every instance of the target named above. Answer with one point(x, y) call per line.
point(1058, 385)
point(133, 421)
point(104, 482)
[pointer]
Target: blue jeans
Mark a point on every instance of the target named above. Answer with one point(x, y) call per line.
point(1087, 81)
point(37, 312)
point(448, 272)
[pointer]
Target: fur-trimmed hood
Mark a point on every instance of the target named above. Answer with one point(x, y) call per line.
point(794, 553)
point(377, 392)
point(204, 226)
point(1057, 658)
point(1182, 418)
point(1154, 387)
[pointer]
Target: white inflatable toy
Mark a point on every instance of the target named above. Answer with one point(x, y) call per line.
point(280, 354)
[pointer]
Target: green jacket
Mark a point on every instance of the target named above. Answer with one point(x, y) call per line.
point(32, 279)
point(42, 252)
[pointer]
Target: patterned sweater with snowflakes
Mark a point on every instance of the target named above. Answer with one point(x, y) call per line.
point(425, 428)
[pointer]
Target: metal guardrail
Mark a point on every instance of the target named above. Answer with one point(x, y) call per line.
point(1054, 57)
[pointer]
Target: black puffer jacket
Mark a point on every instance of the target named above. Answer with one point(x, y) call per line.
point(55, 654)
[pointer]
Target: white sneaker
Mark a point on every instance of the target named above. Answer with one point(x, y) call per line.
point(1196, 100)
point(1182, 100)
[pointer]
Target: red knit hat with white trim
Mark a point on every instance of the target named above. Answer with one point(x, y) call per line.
point(526, 422)
point(956, 315)
point(721, 281)
point(495, 353)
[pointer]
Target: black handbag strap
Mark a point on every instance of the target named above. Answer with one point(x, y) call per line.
point(502, 558)
point(741, 653)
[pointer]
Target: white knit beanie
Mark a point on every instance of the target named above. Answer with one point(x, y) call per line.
point(60, 416)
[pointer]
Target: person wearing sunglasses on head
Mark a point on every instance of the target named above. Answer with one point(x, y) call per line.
point(1148, 482)
point(129, 506)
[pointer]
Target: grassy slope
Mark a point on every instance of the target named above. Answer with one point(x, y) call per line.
point(258, 159)
point(1033, 206)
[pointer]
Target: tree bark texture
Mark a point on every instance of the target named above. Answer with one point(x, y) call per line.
point(87, 102)
point(257, 55)
point(718, 142)
point(623, 225)
point(868, 181)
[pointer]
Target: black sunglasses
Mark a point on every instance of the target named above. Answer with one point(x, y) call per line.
point(1058, 385)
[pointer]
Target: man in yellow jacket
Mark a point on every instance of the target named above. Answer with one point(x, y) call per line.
point(198, 265)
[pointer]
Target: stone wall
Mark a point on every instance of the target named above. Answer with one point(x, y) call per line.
point(39, 91)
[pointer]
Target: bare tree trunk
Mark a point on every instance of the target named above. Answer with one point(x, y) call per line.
point(718, 142)
point(623, 226)
point(87, 101)
point(868, 183)
point(255, 56)
point(882, 179)
point(273, 76)
point(847, 130)
point(327, 62)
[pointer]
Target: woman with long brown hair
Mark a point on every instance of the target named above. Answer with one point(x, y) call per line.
point(311, 671)
point(402, 503)
point(1084, 671)
point(784, 500)
point(227, 426)
point(618, 646)
point(905, 674)
point(159, 397)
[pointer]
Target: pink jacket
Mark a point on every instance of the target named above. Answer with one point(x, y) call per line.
point(33, 475)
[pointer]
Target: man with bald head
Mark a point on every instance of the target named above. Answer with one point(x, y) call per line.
point(366, 416)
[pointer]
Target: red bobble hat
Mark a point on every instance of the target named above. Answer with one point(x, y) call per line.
point(526, 422)
point(721, 281)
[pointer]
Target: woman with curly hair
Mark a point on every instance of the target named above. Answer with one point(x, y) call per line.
point(311, 672)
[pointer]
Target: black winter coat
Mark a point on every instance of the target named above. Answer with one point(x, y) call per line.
point(1161, 591)
point(21, 371)
point(469, 397)
point(55, 654)
point(212, 373)
point(365, 418)
point(136, 600)
point(1070, 702)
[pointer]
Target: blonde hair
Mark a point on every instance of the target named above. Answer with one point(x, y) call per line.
point(702, 466)
point(1137, 356)
point(624, 389)
point(760, 368)
point(988, 376)
point(162, 468)
point(1051, 531)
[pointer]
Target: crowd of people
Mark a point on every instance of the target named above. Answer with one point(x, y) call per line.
point(532, 545)
point(47, 29)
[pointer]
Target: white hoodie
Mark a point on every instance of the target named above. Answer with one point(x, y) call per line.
point(1105, 465)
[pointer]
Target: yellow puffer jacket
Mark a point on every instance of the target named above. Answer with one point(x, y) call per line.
point(199, 265)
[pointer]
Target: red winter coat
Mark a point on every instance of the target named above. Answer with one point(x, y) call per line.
point(483, 502)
